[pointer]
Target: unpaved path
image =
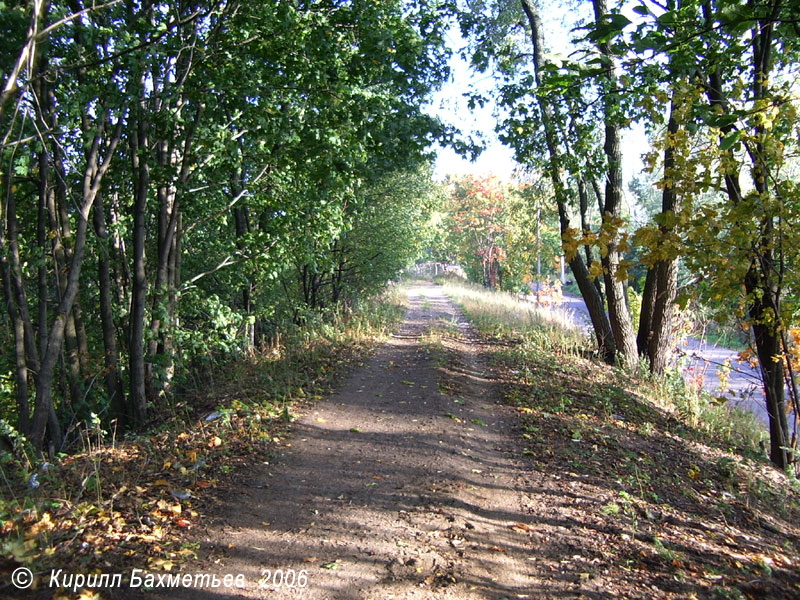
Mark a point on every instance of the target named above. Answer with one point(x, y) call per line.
point(392, 488)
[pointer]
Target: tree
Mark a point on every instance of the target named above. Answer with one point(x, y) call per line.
point(194, 209)
point(478, 215)
point(730, 111)
point(534, 100)
point(722, 68)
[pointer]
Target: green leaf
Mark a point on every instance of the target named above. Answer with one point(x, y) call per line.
point(729, 140)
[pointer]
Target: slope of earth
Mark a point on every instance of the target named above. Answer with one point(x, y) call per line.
point(407, 483)
point(701, 363)
point(415, 480)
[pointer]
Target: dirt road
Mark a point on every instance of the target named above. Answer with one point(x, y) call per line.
point(407, 483)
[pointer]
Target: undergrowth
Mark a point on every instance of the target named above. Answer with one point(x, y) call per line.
point(119, 504)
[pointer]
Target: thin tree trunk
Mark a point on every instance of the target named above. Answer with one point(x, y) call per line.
point(621, 326)
point(141, 173)
point(666, 271)
point(646, 313)
point(761, 287)
point(21, 363)
point(768, 347)
point(59, 223)
point(17, 279)
point(242, 224)
point(41, 245)
point(594, 303)
point(44, 417)
point(167, 222)
point(583, 197)
point(111, 358)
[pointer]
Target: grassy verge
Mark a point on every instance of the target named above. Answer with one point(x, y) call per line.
point(118, 504)
point(505, 316)
point(670, 493)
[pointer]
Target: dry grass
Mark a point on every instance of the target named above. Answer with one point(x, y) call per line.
point(505, 315)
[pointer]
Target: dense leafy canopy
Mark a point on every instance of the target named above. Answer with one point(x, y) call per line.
point(199, 175)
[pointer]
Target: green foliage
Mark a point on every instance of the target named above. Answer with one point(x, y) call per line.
point(278, 154)
point(490, 229)
point(721, 76)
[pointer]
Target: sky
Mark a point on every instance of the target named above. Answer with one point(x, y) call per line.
point(451, 106)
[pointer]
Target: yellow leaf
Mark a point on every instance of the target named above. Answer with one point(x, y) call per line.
point(596, 270)
point(44, 524)
point(162, 564)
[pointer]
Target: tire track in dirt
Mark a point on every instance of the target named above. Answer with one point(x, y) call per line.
point(391, 488)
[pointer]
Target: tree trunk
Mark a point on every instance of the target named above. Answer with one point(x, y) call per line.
point(173, 281)
point(21, 363)
point(44, 417)
point(27, 357)
point(167, 222)
point(768, 348)
point(141, 173)
point(763, 275)
point(41, 245)
point(113, 378)
point(646, 313)
point(621, 325)
point(594, 303)
point(242, 224)
point(58, 215)
point(666, 271)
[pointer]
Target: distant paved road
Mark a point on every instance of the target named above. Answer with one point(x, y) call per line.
point(701, 360)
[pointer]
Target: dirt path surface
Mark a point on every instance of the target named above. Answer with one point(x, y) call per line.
point(407, 483)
